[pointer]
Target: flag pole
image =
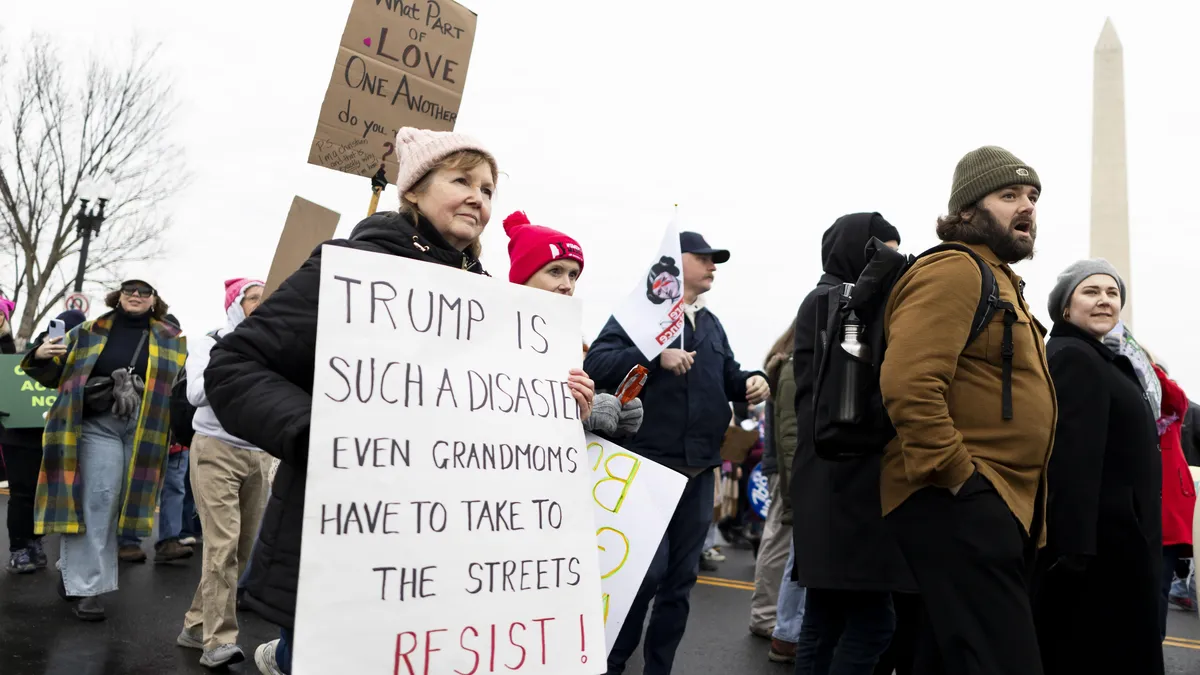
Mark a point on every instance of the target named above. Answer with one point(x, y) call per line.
point(683, 328)
point(378, 183)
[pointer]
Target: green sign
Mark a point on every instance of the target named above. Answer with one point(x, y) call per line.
point(24, 400)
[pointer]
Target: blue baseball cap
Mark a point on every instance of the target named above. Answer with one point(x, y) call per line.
point(693, 242)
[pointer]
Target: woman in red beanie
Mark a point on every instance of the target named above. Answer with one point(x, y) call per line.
point(549, 260)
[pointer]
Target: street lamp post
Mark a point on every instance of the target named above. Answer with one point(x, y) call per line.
point(88, 222)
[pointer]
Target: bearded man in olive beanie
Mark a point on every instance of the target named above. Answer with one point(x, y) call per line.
point(963, 482)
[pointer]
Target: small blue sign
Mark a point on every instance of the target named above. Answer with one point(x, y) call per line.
point(760, 492)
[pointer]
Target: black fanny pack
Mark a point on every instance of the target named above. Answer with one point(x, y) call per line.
point(98, 391)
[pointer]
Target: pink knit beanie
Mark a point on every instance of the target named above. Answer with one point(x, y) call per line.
point(532, 247)
point(419, 150)
point(235, 290)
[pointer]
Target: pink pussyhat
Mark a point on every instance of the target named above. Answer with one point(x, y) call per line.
point(6, 307)
point(235, 291)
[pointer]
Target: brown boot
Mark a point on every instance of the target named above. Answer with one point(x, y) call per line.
point(171, 550)
point(131, 553)
point(782, 652)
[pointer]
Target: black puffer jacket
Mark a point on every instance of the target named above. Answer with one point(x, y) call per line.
point(260, 382)
point(837, 521)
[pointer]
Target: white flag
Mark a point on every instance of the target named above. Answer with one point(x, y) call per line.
point(652, 315)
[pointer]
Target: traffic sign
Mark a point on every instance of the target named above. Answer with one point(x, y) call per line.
point(77, 301)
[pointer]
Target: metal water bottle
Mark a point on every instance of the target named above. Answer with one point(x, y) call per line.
point(854, 369)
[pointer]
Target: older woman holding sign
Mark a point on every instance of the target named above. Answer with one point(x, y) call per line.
point(260, 377)
point(548, 260)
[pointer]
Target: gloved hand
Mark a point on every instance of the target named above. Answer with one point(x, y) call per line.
point(630, 418)
point(605, 417)
point(127, 393)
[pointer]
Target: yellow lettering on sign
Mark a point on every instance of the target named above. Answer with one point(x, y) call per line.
point(625, 481)
point(27, 386)
point(605, 600)
point(37, 401)
point(624, 555)
point(17, 370)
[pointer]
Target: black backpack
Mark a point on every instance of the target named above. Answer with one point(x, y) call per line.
point(849, 418)
point(182, 412)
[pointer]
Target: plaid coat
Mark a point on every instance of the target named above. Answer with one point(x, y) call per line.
point(58, 506)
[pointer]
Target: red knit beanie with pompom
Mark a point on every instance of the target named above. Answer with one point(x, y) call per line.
point(532, 247)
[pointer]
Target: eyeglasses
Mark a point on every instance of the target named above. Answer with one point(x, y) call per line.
point(138, 291)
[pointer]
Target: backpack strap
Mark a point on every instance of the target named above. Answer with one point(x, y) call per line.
point(989, 304)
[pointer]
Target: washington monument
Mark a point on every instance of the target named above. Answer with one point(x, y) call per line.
point(1110, 198)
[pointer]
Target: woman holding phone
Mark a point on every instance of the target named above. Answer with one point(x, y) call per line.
point(105, 442)
point(549, 260)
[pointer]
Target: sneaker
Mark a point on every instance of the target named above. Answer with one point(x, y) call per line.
point(38, 554)
point(131, 553)
point(764, 633)
point(714, 555)
point(222, 655)
point(20, 562)
point(264, 658)
point(189, 640)
point(1182, 602)
point(187, 541)
point(171, 549)
point(782, 652)
point(89, 609)
point(707, 565)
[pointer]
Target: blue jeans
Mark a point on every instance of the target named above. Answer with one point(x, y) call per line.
point(1185, 588)
point(89, 560)
point(283, 651)
point(789, 612)
point(170, 504)
point(669, 583)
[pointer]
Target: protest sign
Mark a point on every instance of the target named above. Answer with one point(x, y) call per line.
point(448, 523)
point(401, 63)
point(652, 315)
point(307, 225)
point(634, 500)
point(759, 491)
point(25, 401)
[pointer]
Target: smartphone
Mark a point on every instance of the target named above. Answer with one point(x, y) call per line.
point(58, 328)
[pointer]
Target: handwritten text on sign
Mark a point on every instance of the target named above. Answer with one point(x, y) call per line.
point(400, 63)
point(634, 499)
point(448, 524)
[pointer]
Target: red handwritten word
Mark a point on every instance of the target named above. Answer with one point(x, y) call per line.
point(415, 650)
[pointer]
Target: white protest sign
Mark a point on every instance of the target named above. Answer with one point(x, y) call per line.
point(652, 315)
point(448, 525)
point(634, 500)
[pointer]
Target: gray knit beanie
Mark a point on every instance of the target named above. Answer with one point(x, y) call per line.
point(1069, 280)
point(985, 170)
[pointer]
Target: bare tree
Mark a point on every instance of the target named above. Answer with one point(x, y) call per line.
point(55, 132)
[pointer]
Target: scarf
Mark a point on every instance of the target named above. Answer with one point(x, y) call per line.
point(1121, 341)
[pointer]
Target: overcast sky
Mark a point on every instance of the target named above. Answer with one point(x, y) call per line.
point(764, 121)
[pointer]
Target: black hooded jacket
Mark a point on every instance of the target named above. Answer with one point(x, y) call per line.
point(260, 381)
point(837, 524)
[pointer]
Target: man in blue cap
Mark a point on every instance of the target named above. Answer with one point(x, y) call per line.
point(686, 400)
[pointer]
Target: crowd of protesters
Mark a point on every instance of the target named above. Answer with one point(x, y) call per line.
point(1029, 510)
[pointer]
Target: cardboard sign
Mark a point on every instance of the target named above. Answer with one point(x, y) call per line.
point(25, 401)
point(448, 523)
point(401, 63)
point(652, 315)
point(307, 225)
point(634, 499)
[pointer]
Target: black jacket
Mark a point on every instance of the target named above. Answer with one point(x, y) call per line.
point(1190, 434)
point(259, 383)
point(1105, 508)
point(837, 521)
point(685, 417)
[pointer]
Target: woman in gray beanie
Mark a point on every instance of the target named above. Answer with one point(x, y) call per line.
point(1096, 583)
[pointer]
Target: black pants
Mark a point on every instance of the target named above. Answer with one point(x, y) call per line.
point(902, 651)
point(844, 632)
point(971, 560)
point(23, 464)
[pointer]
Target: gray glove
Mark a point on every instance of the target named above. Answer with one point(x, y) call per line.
point(127, 393)
point(631, 418)
point(605, 417)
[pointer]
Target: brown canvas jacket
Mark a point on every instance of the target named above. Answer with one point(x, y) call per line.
point(945, 402)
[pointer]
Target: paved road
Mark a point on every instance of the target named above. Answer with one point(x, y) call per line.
point(40, 636)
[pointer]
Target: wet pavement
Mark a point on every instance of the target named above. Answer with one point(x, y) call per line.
point(40, 636)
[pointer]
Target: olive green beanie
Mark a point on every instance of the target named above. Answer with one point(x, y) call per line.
point(985, 170)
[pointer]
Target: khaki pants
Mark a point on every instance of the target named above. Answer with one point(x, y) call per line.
point(772, 558)
point(230, 485)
